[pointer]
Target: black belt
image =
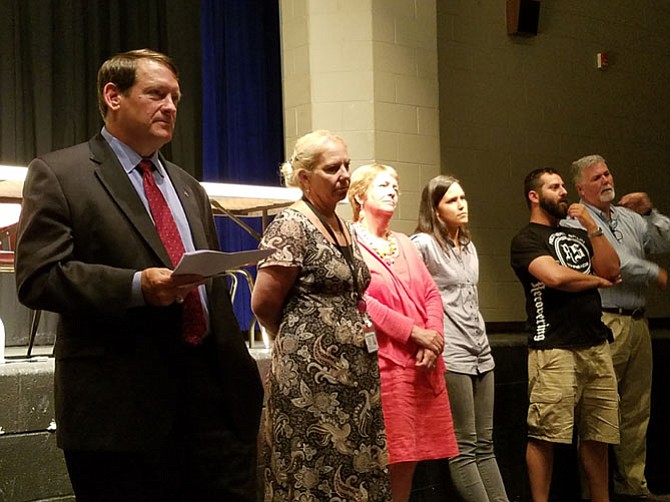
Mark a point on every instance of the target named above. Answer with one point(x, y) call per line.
point(634, 313)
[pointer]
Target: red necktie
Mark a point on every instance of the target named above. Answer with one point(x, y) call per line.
point(194, 325)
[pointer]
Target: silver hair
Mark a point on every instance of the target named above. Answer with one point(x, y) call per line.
point(578, 166)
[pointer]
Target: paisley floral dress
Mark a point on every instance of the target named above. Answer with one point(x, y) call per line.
point(324, 428)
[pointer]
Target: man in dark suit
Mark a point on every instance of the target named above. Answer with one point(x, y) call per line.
point(157, 397)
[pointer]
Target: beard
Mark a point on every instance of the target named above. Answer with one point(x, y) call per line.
point(607, 196)
point(558, 209)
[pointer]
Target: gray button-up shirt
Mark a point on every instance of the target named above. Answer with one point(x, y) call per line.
point(466, 346)
point(632, 236)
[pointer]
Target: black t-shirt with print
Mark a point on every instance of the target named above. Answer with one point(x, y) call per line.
point(558, 319)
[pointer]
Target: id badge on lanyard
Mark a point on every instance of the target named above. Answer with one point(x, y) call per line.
point(368, 328)
point(370, 337)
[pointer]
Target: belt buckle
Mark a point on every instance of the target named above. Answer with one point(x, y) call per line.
point(637, 313)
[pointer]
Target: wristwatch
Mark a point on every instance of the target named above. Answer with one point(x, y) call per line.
point(596, 233)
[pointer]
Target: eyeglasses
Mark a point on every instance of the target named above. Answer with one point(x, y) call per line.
point(613, 224)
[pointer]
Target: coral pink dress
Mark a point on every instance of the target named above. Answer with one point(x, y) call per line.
point(414, 401)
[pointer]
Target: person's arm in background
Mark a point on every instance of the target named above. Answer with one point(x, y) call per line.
point(656, 238)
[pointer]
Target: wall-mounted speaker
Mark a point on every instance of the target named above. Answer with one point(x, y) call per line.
point(523, 17)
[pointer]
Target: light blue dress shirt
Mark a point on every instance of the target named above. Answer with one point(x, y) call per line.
point(632, 236)
point(129, 159)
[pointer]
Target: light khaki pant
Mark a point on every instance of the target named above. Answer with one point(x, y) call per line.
point(632, 358)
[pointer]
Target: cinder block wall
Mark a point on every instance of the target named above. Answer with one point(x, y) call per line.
point(406, 107)
point(367, 70)
point(511, 104)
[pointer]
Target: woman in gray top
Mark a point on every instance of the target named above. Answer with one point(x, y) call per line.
point(443, 239)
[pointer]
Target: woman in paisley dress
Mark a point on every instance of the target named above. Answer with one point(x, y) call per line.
point(324, 428)
point(406, 309)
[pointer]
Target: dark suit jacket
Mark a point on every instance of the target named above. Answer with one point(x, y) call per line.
point(83, 233)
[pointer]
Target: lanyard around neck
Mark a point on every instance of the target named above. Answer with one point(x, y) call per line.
point(323, 221)
point(348, 256)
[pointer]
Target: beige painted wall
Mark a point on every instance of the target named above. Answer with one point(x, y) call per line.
point(510, 104)
point(367, 70)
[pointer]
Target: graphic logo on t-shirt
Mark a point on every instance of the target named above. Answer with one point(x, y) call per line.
point(571, 251)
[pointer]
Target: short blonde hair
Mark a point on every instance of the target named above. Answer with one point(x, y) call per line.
point(361, 179)
point(306, 154)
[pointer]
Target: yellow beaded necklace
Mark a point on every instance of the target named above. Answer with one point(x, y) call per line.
point(385, 247)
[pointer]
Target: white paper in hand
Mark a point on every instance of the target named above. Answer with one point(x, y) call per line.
point(208, 263)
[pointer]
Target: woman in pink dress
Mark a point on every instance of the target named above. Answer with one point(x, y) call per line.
point(406, 310)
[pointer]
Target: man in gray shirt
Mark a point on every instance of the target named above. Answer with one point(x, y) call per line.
point(635, 229)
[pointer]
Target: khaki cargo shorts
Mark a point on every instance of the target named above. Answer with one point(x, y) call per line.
point(573, 388)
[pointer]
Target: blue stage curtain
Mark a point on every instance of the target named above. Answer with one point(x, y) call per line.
point(242, 107)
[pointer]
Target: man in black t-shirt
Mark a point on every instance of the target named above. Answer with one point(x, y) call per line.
point(570, 372)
